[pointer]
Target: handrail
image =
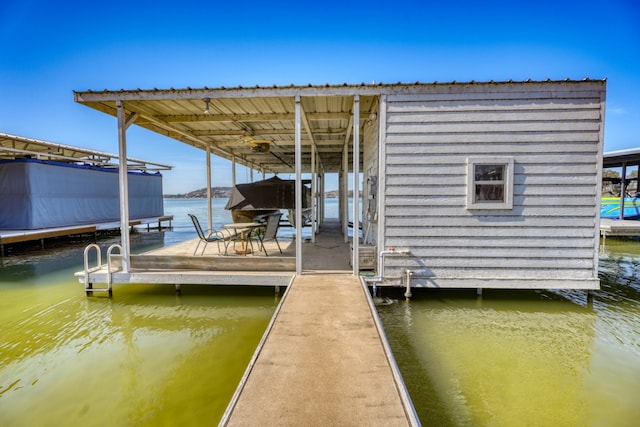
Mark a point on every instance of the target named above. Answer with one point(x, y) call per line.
point(109, 271)
point(87, 270)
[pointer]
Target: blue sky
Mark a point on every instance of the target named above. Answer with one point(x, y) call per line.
point(50, 48)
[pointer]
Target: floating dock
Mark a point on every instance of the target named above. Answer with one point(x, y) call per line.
point(324, 361)
point(17, 236)
point(619, 227)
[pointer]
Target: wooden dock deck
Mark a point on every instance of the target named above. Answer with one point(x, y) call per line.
point(324, 361)
point(176, 264)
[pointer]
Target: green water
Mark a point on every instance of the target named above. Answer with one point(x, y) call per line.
point(146, 357)
point(524, 358)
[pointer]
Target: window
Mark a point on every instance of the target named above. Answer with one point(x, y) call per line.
point(489, 183)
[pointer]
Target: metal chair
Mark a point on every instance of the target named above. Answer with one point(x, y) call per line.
point(212, 236)
point(270, 231)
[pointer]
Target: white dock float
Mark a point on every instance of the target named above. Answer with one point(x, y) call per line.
point(619, 227)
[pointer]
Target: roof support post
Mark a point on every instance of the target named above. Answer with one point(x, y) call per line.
point(298, 162)
point(209, 208)
point(123, 183)
point(382, 172)
point(344, 193)
point(233, 171)
point(356, 185)
point(623, 189)
point(314, 190)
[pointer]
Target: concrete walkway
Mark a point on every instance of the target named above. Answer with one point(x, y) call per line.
point(323, 363)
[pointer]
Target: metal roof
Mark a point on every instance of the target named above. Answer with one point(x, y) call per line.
point(614, 159)
point(16, 147)
point(239, 119)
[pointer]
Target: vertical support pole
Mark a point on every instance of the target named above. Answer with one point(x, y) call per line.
point(322, 197)
point(356, 185)
point(233, 171)
point(209, 207)
point(298, 163)
point(345, 192)
point(123, 184)
point(314, 189)
point(382, 173)
point(623, 189)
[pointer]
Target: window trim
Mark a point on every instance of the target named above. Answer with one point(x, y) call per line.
point(507, 182)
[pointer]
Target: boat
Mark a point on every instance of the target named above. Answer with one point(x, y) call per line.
point(253, 201)
point(610, 207)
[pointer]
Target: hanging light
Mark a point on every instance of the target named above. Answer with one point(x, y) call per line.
point(206, 106)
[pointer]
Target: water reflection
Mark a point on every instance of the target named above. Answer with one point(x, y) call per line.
point(143, 357)
point(523, 357)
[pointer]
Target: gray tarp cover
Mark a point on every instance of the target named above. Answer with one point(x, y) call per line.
point(36, 194)
point(272, 193)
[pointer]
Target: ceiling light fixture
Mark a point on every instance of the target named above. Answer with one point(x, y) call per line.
point(206, 106)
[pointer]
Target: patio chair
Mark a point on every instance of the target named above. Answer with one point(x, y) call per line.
point(211, 236)
point(270, 232)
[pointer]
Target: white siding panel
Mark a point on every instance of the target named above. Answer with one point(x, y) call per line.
point(488, 127)
point(506, 137)
point(552, 132)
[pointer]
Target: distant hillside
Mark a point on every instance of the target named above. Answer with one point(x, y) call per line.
point(225, 192)
point(216, 193)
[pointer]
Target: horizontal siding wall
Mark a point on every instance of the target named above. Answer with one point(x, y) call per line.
point(553, 134)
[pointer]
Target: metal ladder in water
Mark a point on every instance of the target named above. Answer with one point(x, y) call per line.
point(88, 285)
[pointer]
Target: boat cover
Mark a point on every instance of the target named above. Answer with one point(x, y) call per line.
point(38, 194)
point(272, 193)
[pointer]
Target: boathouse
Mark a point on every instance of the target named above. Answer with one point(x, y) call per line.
point(464, 185)
point(49, 189)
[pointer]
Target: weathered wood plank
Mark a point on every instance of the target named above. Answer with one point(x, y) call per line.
point(515, 242)
point(525, 190)
point(540, 222)
point(572, 281)
point(529, 95)
point(551, 160)
point(460, 200)
point(486, 253)
point(512, 116)
point(492, 232)
point(494, 127)
point(211, 263)
point(419, 104)
point(504, 148)
point(489, 138)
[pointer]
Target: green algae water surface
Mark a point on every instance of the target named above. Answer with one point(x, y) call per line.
point(524, 358)
point(145, 357)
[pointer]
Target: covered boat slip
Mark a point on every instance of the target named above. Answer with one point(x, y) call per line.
point(177, 265)
point(624, 221)
point(51, 190)
point(463, 185)
point(8, 237)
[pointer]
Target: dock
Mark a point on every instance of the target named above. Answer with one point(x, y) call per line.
point(19, 236)
point(324, 358)
point(619, 228)
point(324, 361)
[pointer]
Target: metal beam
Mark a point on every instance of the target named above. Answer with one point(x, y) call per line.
point(123, 185)
point(298, 164)
point(356, 186)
